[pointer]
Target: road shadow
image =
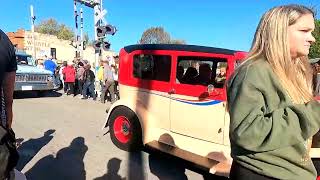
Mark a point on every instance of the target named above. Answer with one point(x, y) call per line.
point(35, 94)
point(68, 163)
point(28, 149)
point(136, 166)
point(166, 167)
point(113, 167)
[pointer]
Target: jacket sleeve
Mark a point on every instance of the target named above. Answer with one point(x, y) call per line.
point(255, 128)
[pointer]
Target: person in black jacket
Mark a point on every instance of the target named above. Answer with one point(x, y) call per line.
point(8, 67)
point(88, 85)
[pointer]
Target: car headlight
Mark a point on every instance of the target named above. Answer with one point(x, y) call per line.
point(50, 78)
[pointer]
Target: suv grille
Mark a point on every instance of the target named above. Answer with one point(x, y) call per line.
point(31, 78)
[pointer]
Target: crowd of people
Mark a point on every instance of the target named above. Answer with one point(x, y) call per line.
point(78, 78)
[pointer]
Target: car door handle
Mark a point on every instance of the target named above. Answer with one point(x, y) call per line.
point(172, 91)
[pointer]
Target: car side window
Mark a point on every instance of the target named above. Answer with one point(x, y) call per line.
point(201, 71)
point(152, 67)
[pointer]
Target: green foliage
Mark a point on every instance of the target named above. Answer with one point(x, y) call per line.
point(157, 35)
point(315, 47)
point(65, 33)
point(52, 27)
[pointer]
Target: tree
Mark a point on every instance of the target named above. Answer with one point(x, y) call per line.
point(65, 33)
point(315, 48)
point(52, 27)
point(177, 41)
point(155, 35)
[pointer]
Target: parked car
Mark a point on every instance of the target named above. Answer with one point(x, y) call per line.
point(173, 99)
point(31, 78)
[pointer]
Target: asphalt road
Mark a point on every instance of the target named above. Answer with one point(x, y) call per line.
point(63, 139)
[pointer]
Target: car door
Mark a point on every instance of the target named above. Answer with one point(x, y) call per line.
point(197, 107)
point(151, 77)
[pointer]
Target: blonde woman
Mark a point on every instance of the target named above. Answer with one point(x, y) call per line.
point(273, 114)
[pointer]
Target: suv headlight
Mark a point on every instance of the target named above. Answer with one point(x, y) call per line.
point(50, 78)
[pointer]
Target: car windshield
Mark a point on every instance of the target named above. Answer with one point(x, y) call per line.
point(25, 59)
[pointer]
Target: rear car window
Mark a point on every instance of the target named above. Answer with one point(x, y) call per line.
point(152, 67)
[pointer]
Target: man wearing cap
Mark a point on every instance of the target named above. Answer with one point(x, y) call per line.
point(108, 82)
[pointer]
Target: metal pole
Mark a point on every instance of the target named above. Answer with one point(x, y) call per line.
point(97, 52)
point(32, 31)
point(76, 29)
point(81, 32)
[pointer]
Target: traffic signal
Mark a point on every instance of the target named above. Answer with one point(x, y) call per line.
point(106, 45)
point(96, 45)
point(110, 29)
point(103, 30)
point(84, 45)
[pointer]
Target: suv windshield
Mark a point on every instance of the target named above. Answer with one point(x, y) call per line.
point(25, 59)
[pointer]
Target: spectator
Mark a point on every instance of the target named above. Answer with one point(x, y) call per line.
point(88, 85)
point(40, 65)
point(62, 77)
point(273, 115)
point(115, 72)
point(69, 78)
point(108, 82)
point(80, 77)
point(50, 65)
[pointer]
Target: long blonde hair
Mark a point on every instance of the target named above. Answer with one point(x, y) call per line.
point(271, 42)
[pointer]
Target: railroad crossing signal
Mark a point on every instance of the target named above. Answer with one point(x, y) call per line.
point(103, 30)
point(104, 44)
point(100, 17)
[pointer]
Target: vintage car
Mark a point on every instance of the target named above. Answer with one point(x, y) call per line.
point(31, 78)
point(173, 99)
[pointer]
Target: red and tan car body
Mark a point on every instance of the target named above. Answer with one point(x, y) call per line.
point(181, 115)
point(178, 114)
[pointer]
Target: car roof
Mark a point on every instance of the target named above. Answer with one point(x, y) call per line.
point(179, 47)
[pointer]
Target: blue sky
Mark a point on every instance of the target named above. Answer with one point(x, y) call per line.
point(226, 24)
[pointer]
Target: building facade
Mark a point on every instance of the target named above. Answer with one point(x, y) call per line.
point(49, 45)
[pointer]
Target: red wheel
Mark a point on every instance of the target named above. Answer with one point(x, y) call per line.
point(125, 129)
point(122, 129)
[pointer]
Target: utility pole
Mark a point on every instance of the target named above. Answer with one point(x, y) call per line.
point(81, 32)
point(76, 29)
point(33, 18)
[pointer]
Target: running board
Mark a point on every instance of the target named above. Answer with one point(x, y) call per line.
point(203, 163)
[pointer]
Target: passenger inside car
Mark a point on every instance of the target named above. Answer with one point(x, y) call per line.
point(189, 76)
point(204, 74)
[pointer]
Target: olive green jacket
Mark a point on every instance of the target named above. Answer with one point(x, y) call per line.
point(268, 132)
